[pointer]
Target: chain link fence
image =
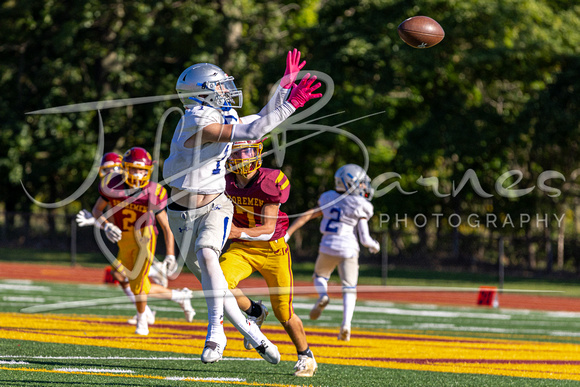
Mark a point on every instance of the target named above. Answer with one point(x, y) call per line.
point(483, 252)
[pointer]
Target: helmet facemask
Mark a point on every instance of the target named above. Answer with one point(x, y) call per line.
point(104, 170)
point(137, 174)
point(246, 157)
point(225, 93)
point(111, 162)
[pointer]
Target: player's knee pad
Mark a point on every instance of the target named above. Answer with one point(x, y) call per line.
point(282, 309)
point(207, 257)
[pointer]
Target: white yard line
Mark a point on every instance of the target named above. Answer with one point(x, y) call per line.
point(13, 362)
point(24, 288)
point(170, 358)
point(96, 370)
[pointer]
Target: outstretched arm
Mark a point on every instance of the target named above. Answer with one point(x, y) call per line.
point(302, 220)
point(299, 95)
point(85, 218)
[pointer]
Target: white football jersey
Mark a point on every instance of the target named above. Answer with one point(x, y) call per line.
point(200, 169)
point(340, 215)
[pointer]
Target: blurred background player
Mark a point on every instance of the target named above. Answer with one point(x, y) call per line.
point(199, 213)
point(113, 162)
point(345, 213)
point(136, 205)
point(258, 244)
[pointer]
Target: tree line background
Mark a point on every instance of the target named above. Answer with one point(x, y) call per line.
point(498, 94)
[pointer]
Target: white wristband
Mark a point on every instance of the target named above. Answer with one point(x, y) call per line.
point(263, 237)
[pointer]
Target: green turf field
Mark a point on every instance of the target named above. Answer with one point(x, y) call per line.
point(392, 344)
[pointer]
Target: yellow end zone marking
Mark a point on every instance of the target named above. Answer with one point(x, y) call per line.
point(395, 350)
point(186, 379)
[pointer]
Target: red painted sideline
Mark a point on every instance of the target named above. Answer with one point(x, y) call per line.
point(78, 274)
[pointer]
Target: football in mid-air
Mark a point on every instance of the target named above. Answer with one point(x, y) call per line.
point(421, 32)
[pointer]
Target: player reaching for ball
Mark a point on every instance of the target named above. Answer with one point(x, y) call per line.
point(200, 214)
point(345, 212)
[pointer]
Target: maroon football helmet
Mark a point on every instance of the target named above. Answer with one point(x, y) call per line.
point(111, 162)
point(138, 167)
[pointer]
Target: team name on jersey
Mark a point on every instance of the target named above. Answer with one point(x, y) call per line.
point(245, 201)
point(130, 206)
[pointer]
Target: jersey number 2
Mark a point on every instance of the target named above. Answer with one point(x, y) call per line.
point(129, 219)
point(336, 218)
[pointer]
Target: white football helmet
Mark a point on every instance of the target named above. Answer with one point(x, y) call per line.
point(353, 179)
point(204, 83)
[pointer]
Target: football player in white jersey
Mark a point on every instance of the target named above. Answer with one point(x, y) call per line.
point(345, 213)
point(200, 214)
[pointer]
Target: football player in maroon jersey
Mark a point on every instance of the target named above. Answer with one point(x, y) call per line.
point(258, 243)
point(137, 205)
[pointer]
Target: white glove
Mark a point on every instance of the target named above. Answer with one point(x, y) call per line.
point(286, 237)
point(376, 248)
point(112, 232)
point(85, 218)
point(170, 264)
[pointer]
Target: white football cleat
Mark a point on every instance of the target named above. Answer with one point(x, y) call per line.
point(259, 321)
point(213, 351)
point(319, 307)
point(262, 345)
point(305, 366)
point(142, 328)
point(185, 304)
point(344, 334)
point(150, 319)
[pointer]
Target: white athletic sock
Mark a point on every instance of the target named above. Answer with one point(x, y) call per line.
point(129, 294)
point(348, 304)
point(176, 295)
point(321, 285)
point(214, 287)
point(148, 310)
point(235, 316)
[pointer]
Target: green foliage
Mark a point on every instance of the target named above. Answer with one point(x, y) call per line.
point(497, 94)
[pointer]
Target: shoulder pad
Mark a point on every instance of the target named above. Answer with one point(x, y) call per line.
point(275, 185)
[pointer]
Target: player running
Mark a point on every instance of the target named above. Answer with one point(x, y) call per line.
point(199, 213)
point(113, 162)
point(136, 205)
point(258, 244)
point(345, 212)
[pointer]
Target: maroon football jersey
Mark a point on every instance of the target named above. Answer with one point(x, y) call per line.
point(268, 186)
point(132, 207)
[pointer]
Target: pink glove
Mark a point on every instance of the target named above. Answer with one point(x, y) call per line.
point(303, 92)
point(293, 66)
